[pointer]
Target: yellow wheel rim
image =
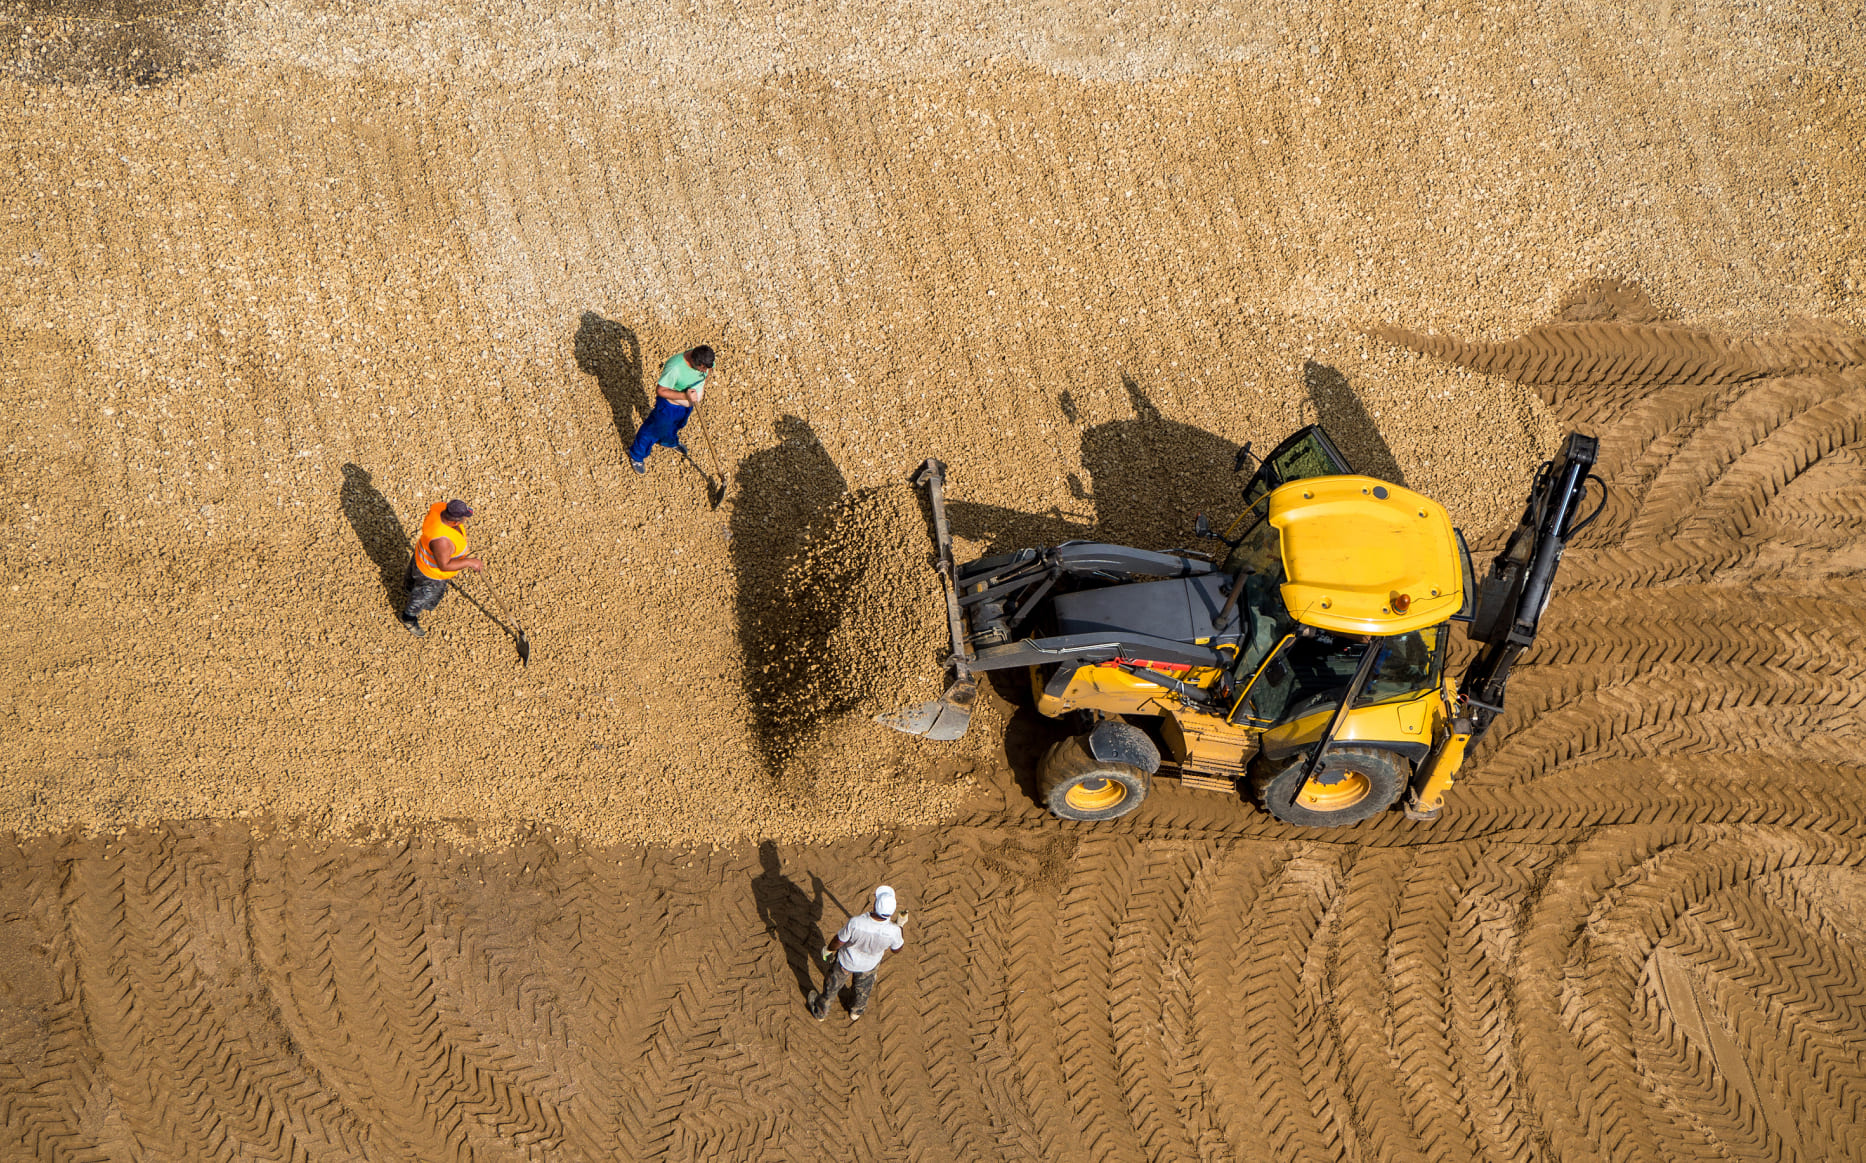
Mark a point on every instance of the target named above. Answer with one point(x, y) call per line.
point(1350, 789)
point(1095, 795)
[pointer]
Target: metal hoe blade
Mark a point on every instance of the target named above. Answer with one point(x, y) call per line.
point(942, 719)
point(715, 491)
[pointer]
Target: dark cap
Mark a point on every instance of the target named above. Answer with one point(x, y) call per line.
point(456, 510)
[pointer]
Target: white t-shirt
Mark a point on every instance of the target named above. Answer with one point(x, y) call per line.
point(865, 940)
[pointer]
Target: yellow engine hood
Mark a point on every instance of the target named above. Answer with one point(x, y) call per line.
point(1356, 550)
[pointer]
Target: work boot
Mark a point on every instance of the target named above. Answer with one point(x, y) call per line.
point(855, 1015)
point(638, 466)
point(412, 625)
point(813, 999)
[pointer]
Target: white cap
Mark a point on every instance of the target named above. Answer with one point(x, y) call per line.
point(884, 901)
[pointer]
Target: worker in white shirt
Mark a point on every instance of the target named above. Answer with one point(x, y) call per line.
point(856, 951)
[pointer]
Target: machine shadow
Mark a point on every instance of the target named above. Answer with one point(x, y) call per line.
point(1027, 734)
point(1338, 408)
point(790, 915)
point(378, 528)
point(782, 491)
point(611, 352)
point(1151, 476)
point(1148, 478)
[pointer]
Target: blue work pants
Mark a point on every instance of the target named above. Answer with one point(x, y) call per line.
point(662, 427)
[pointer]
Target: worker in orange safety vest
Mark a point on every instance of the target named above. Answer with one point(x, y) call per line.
point(440, 553)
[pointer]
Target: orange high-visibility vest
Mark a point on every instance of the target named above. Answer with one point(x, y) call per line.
point(432, 527)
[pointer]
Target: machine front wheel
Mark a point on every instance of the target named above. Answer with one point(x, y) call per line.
point(1077, 786)
point(1352, 784)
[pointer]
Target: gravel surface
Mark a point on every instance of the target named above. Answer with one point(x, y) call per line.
point(279, 275)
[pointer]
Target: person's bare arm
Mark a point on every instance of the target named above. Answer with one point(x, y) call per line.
point(671, 394)
point(443, 551)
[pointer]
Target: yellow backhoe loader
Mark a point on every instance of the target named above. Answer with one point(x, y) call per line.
point(1303, 667)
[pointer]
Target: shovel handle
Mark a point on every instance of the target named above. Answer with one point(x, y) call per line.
point(710, 450)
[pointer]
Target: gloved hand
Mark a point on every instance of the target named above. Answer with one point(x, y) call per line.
point(827, 953)
point(901, 919)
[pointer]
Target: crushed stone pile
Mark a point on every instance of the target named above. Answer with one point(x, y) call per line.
point(868, 625)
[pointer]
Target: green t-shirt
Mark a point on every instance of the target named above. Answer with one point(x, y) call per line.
point(678, 375)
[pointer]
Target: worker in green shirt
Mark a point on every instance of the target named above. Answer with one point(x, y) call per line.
point(682, 382)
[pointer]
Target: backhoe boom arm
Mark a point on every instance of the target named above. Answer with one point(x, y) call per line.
point(1511, 598)
point(1510, 602)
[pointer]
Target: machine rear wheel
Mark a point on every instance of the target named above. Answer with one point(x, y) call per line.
point(1077, 786)
point(1352, 784)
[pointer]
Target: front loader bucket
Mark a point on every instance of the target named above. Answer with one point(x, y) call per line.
point(942, 719)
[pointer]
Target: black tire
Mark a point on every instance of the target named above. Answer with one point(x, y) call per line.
point(1077, 786)
point(1351, 785)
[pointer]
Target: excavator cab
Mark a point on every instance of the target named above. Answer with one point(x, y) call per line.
point(1306, 453)
point(1305, 669)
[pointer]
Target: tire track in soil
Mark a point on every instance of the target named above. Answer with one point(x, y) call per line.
point(1368, 1080)
point(1420, 1020)
point(39, 1077)
point(1754, 949)
point(959, 968)
point(919, 1070)
point(1140, 996)
point(671, 979)
point(1411, 950)
point(1240, 882)
point(1084, 986)
point(1032, 1021)
point(604, 934)
point(1628, 937)
point(126, 1028)
point(1184, 1034)
point(1275, 1042)
point(1589, 371)
point(343, 944)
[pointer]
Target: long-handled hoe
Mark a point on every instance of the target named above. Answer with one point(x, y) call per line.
point(524, 643)
point(714, 493)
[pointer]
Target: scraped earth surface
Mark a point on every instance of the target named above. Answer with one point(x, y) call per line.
point(280, 883)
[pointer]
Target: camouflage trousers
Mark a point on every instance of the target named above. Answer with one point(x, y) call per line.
point(424, 592)
point(833, 982)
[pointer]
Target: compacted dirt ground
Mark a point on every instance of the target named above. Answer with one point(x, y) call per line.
point(280, 881)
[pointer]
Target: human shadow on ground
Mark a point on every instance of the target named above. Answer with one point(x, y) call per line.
point(1338, 408)
point(791, 916)
point(610, 352)
point(782, 491)
point(379, 529)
